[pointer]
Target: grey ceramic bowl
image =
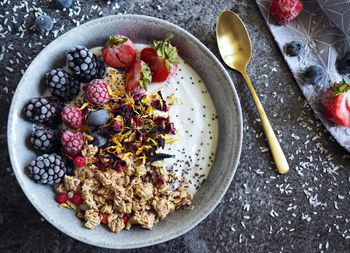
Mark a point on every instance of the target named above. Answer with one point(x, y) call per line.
point(219, 84)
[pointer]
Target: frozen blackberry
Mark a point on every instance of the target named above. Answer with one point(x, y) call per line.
point(41, 109)
point(47, 169)
point(62, 85)
point(101, 69)
point(84, 64)
point(42, 138)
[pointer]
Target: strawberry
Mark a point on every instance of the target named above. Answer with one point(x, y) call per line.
point(119, 52)
point(139, 75)
point(284, 11)
point(336, 103)
point(162, 59)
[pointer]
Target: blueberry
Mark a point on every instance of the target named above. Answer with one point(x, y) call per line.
point(314, 74)
point(294, 48)
point(43, 23)
point(64, 3)
point(343, 64)
point(99, 140)
point(98, 118)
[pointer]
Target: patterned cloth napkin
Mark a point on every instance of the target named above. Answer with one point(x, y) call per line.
point(321, 27)
point(339, 13)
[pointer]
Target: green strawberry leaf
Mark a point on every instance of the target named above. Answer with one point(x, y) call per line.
point(115, 41)
point(146, 76)
point(339, 88)
point(166, 51)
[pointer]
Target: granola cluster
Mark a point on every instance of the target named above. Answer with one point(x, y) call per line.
point(140, 194)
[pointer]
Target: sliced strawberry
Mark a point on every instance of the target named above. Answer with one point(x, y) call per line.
point(336, 103)
point(162, 59)
point(284, 11)
point(119, 52)
point(138, 76)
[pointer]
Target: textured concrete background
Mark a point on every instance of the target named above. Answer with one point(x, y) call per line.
point(304, 211)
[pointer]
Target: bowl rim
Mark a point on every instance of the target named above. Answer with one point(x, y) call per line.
point(195, 222)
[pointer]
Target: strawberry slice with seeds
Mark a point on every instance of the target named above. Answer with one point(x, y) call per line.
point(119, 52)
point(138, 76)
point(162, 59)
point(336, 103)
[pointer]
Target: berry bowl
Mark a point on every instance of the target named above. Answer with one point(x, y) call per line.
point(140, 29)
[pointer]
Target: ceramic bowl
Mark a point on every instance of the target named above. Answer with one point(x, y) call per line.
point(140, 29)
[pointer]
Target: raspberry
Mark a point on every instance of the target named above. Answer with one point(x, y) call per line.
point(76, 199)
point(72, 143)
point(72, 117)
point(96, 92)
point(61, 198)
point(79, 161)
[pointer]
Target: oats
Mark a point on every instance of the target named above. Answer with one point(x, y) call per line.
point(115, 223)
point(92, 218)
point(144, 218)
point(71, 183)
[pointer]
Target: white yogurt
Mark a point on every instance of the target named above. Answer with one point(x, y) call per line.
point(195, 121)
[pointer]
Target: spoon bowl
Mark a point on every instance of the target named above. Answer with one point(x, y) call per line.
point(236, 50)
point(233, 41)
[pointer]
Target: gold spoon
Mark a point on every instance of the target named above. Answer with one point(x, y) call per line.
point(236, 49)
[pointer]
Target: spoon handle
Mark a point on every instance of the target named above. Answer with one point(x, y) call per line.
point(275, 148)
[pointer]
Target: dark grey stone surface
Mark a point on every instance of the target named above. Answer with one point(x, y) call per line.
point(306, 210)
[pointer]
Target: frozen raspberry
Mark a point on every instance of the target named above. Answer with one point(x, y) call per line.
point(72, 143)
point(96, 92)
point(72, 117)
point(76, 199)
point(61, 198)
point(79, 161)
